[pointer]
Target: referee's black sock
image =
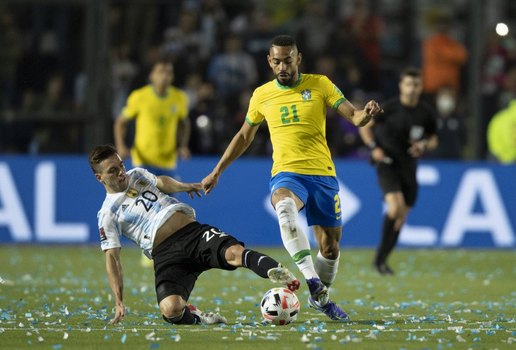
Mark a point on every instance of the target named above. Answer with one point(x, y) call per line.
point(257, 262)
point(385, 246)
point(392, 242)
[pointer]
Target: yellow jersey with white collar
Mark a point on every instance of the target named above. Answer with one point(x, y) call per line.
point(296, 117)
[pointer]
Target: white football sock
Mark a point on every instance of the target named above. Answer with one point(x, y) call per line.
point(293, 237)
point(326, 268)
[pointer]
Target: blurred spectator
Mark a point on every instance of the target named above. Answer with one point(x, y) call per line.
point(443, 57)
point(123, 71)
point(314, 41)
point(501, 134)
point(350, 60)
point(232, 71)
point(213, 26)
point(203, 115)
point(450, 126)
point(258, 41)
point(367, 29)
point(182, 45)
point(63, 135)
point(10, 52)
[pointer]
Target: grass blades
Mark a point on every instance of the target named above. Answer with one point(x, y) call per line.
point(57, 297)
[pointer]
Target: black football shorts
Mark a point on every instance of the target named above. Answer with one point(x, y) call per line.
point(399, 177)
point(182, 257)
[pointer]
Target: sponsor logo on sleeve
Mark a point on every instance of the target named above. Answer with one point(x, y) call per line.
point(103, 236)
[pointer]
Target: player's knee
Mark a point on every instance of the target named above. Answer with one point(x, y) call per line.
point(330, 251)
point(395, 212)
point(233, 255)
point(171, 309)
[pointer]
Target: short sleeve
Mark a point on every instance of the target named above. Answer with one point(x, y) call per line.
point(254, 117)
point(109, 232)
point(143, 175)
point(332, 94)
point(130, 110)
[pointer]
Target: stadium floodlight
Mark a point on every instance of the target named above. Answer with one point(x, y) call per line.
point(502, 29)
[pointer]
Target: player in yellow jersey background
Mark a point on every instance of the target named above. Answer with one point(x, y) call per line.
point(162, 127)
point(303, 174)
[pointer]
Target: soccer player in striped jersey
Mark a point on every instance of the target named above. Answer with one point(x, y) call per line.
point(137, 206)
point(303, 173)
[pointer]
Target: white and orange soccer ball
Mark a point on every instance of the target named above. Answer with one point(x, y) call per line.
point(279, 306)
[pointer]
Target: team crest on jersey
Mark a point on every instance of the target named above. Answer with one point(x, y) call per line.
point(132, 193)
point(173, 109)
point(306, 94)
point(103, 236)
point(124, 206)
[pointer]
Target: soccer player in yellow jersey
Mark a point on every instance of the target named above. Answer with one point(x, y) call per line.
point(303, 173)
point(162, 128)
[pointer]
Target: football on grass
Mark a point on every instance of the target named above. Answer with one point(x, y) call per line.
point(279, 306)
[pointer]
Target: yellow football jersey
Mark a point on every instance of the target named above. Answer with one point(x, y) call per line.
point(296, 117)
point(156, 125)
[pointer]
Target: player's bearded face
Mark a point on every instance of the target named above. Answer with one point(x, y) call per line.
point(284, 61)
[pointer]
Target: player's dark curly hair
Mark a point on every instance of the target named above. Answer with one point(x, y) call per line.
point(98, 154)
point(283, 40)
point(412, 72)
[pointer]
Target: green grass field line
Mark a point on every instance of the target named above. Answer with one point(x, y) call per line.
point(59, 298)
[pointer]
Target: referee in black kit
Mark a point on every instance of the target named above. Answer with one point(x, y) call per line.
point(397, 138)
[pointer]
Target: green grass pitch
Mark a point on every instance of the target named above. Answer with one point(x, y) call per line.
point(58, 298)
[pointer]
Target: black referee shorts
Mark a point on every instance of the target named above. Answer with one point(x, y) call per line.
point(399, 177)
point(182, 257)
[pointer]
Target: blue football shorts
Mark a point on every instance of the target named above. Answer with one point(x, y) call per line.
point(320, 194)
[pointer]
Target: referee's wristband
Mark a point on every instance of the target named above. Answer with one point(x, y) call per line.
point(371, 145)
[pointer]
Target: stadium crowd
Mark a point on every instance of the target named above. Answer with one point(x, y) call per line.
point(219, 48)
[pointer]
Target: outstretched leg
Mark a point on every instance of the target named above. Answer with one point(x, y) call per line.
point(261, 264)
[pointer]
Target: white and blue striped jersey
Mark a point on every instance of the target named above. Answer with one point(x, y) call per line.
point(137, 213)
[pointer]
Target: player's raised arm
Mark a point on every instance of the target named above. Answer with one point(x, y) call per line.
point(167, 184)
point(359, 117)
point(240, 142)
point(116, 281)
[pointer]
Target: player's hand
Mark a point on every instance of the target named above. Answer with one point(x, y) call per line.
point(417, 148)
point(193, 189)
point(377, 155)
point(209, 182)
point(184, 153)
point(119, 313)
point(371, 109)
